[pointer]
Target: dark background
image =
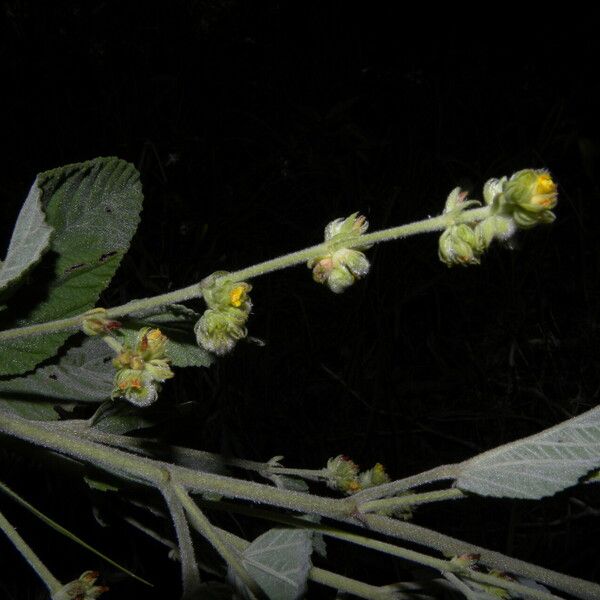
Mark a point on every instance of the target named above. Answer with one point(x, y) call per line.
point(255, 124)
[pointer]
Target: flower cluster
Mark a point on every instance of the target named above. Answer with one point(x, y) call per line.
point(223, 324)
point(341, 266)
point(343, 474)
point(141, 369)
point(523, 201)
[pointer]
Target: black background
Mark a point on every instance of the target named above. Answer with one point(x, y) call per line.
point(255, 124)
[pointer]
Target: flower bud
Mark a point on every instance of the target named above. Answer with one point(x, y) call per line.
point(459, 245)
point(81, 589)
point(341, 266)
point(373, 477)
point(96, 323)
point(492, 189)
point(494, 227)
point(531, 194)
point(219, 330)
point(342, 474)
point(151, 343)
point(135, 386)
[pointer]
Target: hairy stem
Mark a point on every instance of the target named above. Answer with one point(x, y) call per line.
point(397, 502)
point(190, 574)
point(157, 473)
point(212, 535)
point(288, 260)
point(53, 584)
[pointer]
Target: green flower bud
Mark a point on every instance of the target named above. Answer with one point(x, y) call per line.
point(373, 477)
point(492, 190)
point(96, 323)
point(81, 589)
point(151, 343)
point(342, 266)
point(351, 226)
point(135, 386)
point(494, 227)
point(457, 201)
point(459, 245)
point(531, 195)
point(342, 474)
point(219, 330)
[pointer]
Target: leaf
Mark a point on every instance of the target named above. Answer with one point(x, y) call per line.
point(177, 323)
point(279, 561)
point(94, 210)
point(84, 374)
point(30, 239)
point(122, 418)
point(539, 465)
point(34, 411)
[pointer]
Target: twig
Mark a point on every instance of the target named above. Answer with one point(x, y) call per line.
point(53, 584)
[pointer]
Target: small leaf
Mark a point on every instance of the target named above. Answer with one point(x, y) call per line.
point(123, 418)
point(84, 374)
point(30, 239)
point(94, 209)
point(177, 323)
point(539, 465)
point(279, 561)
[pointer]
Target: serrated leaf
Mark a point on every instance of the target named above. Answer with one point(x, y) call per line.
point(177, 323)
point(539, 465)
point(30, 239)
point(84, 374)
point(279, 561)
point(94, 209)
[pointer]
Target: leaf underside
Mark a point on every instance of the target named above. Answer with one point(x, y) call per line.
point(539, 465)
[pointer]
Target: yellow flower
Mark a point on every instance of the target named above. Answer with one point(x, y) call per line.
point(531, 195)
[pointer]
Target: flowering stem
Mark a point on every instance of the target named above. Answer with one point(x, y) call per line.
point(53, 584)
point(288, 260)
point(157, 474)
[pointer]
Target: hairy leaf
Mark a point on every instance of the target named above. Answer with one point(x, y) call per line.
point(85, 373)
point(94, 209)
point(539, 465)
point(279, 561)
point(34, 411)
point(177, 323)
point(30, 239)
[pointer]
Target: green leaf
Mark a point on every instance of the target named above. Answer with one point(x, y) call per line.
point(94, 209)
point(177, 323)
point(120, 418)
point(539, 465)
point(34, 411)
point(279, 561)
point(30, 239)
point(84, 374)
